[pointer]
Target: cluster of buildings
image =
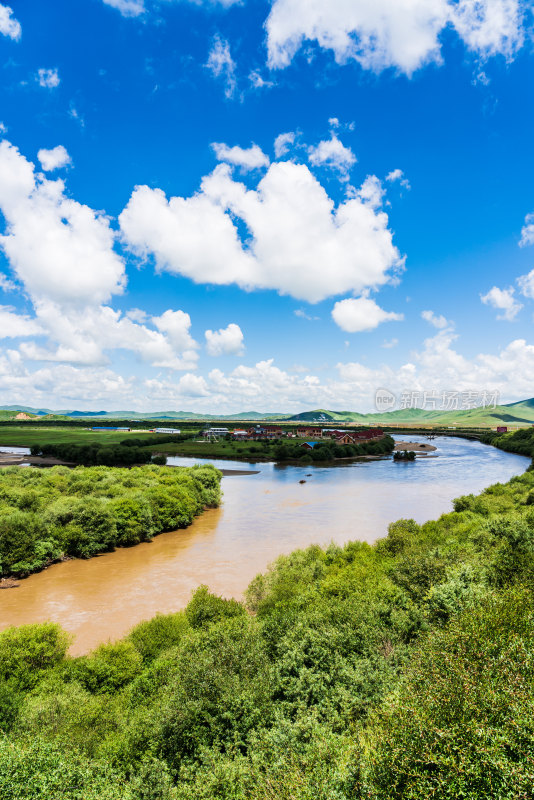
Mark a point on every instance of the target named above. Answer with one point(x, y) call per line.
point(260, 432)
point(347, 437)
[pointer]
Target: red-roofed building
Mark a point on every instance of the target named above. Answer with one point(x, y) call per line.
point(345, 438)
point(310, 433)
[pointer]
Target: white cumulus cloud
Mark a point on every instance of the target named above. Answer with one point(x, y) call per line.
point(527, 231)
point(358, 314)
point(13, 324)
point(87, 335)
point(9, 26)
point(247, 158)
point(438, 321)
point(404, 34)
point(490, 27)
point(128, 8)
point(283, 143)
point(48, 78)
point(59, 249)
point(503, 300)
point(526, 284)
point(54, 159)
point(63, 254)
point(398, 175)
point(333, 153)
point(226, 341)
point(298, 241)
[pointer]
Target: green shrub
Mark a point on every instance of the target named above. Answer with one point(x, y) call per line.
point(158, 634)
point(28, 651)
point(205, 608)
point(461, 725)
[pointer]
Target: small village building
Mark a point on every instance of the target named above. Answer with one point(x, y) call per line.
point(102, 428)
point(308, 445)
point(345, 438)
point(273, 431)
point(369, 433)
point(311, 433)
point(332, 433)
point(240, 434)
point(257, 432)
point(167, 430)
point(215, 432)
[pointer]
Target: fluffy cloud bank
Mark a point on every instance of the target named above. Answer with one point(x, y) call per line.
point(60, 249)
point(9, 26)
point(62, 252)
point(437, 366)
point(298, 241)
point(403, 34)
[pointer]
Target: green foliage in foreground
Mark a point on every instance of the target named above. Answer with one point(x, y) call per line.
point(399, 670)
point(521, 442)
point(48, 514)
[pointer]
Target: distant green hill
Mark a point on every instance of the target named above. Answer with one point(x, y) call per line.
point(521, 413)
point(512, 414)
point(8, 412)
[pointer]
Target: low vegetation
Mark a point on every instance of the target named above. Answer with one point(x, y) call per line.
point(404, 455)
point(46, 515)
point(328, 450)
point(399, 670)
point(521, 441)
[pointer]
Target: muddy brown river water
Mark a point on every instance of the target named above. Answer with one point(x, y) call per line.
point(262, 516)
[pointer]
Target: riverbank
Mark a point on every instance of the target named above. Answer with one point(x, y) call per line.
point(49, 515)
point(261, 517)
point(7, 460)
point(343, 663)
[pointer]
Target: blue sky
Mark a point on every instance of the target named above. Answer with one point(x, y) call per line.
point(219, 206)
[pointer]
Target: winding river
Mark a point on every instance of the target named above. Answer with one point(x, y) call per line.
point(262, 516)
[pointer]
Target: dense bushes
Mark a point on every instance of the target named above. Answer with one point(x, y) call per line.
point(47, 514)
point(399, 670)
point(94, 454)
point(461, 723)
point(327, 450)
point(521, 441)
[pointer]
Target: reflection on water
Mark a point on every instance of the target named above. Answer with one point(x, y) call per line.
point(17, 451)
point(262, 516)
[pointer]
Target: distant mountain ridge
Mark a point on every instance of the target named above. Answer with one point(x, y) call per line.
point(518, 413)
point(8, 411)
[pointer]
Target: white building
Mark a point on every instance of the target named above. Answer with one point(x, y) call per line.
point(215, 432)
